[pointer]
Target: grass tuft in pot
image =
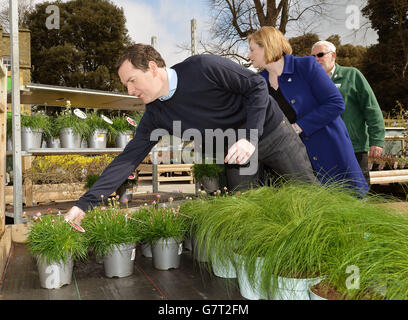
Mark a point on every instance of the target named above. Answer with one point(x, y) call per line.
point(35, 121)
point(66, 119)
point(108, 226)
point(53, 239)
point(162, 222)
point(93, 122)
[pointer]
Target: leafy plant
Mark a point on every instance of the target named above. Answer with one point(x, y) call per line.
point(35, 121)
point(90, 180)
point(160, 222)
point(95, 121)
point(53, 239)
point(120, 124)
point(51, 130)
point(66, 119)
point(108, 226)
point(201, 170)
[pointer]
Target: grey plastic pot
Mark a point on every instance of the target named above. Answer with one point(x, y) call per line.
point(98, 139)
point(56, 274)
point(53, 142)
point(166, 253)
point(69, 139)
point(119, 262)
point(249, 290)
point(123, 138)
point(222, 268)
point(210, 184)
point(146, 250)
point(30, 138)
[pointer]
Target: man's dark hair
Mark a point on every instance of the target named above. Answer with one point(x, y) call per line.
point(139, 55)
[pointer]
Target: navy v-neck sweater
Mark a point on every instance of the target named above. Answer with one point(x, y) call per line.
point(212, 93)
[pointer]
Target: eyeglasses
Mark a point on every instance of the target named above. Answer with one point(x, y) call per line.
point(321, 54)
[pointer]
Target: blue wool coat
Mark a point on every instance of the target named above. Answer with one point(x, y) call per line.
point(318, 105)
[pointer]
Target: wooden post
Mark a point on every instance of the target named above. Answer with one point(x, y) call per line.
point(3, 142)
point(154, 42)
point(28, 184)
point(193, 37)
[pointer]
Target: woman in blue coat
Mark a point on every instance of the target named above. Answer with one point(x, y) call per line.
point(312, 104)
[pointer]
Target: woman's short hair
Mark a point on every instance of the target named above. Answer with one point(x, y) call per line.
point(139, 55)
point(273, 41)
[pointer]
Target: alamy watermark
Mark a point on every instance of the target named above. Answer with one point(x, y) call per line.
point(353, 17)
point(52, 21)
point(196, 154)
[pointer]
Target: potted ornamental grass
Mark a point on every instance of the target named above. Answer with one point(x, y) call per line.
point(71, 129)
point(32, 128)
point(208, 175)
point(122, 131)
point(164, 228)
point(113, 236)
point(97, 131)
point(380, 258)
point(55, 245)
point(51, 133)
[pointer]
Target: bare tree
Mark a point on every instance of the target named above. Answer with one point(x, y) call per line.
point(24, 7)
point(234, 20)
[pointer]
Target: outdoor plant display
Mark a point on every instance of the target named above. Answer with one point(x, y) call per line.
point(51, 133)
point(121, 131)
point(55, 245)
point(164, 229)
point(71, 128)
point(111, 234)
point(208, 175)
point(97, 131)
point(32, 128)
point(66, 168)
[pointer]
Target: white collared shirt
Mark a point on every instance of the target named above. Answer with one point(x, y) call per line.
point(332, 71)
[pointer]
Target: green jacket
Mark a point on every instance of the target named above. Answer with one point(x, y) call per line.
point(363, 116)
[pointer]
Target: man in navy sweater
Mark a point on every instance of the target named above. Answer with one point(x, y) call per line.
point(203, 93)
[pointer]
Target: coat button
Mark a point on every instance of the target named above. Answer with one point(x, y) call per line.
point(290, 80)
point(292, 101)
point(315, 158)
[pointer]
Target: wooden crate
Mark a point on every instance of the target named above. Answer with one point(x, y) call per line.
point(167, 172)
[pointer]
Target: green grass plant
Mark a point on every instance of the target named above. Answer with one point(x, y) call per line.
point(53, 239)
point(108, 226)
point(93, 122)
point(66, 119)
point(35, 121)
point(160, 222)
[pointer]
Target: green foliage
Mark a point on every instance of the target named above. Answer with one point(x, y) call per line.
point(386, 63)
point(302, 45)
point(90, 180)
point(35, 121)
point(158, 222)
point(108, 225)
point(307, 231)
point(83, 51)
point(207, 170)
point(94, 121)
point(53, 239)
point(119, 125)
point(66, 119)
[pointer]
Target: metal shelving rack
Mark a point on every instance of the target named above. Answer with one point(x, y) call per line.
point(38, 94)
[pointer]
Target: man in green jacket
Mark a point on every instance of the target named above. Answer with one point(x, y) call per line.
point(363, 116)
